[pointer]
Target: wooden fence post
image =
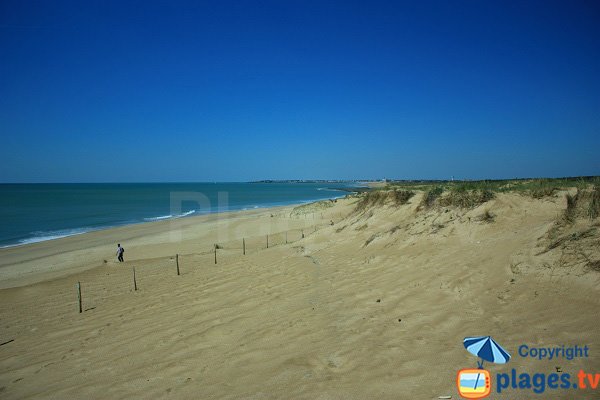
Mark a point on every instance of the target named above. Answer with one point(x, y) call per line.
point(134, 281)
point(244, 245)
point(79, 300)
point(267, 241)
point(215, 253)
point(177, 262)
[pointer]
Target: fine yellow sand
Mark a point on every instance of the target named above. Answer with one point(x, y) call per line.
point(374, 306)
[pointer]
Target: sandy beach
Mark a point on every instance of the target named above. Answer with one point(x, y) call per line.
point(371, 303)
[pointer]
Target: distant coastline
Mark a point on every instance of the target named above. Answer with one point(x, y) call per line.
point(342, 181)
point(357, 186)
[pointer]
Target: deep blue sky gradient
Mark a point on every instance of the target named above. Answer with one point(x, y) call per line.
point(233, 91)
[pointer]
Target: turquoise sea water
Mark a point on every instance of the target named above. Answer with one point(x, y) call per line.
point(36, 212)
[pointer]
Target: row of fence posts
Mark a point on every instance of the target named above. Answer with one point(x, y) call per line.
point(216, 246)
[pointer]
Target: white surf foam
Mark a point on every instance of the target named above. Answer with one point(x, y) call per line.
point(42, 236)
point(170, 216)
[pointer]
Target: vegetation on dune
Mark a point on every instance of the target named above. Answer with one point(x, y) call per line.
point(463, 196)
point(584, 203)
point(537, 188)
point(400, 197)
point(381, 197)
point(542, 192)
point(431, 196)
point(576, 232)
point(571, 206)
point(470, 194)
point(593, 209)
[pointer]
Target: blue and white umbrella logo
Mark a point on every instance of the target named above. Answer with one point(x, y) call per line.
point(487, 349)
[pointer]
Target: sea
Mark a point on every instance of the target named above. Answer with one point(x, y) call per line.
point(32, 213)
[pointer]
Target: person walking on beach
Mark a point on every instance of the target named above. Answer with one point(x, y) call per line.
point(120, 252)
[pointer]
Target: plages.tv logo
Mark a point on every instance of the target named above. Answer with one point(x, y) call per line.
point(476, 383)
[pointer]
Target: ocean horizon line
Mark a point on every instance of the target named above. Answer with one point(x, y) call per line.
point(193, 182)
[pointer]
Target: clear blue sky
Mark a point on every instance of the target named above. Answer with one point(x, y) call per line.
point(96, 91)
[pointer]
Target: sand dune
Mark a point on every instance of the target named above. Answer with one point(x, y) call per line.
point(374, 306)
